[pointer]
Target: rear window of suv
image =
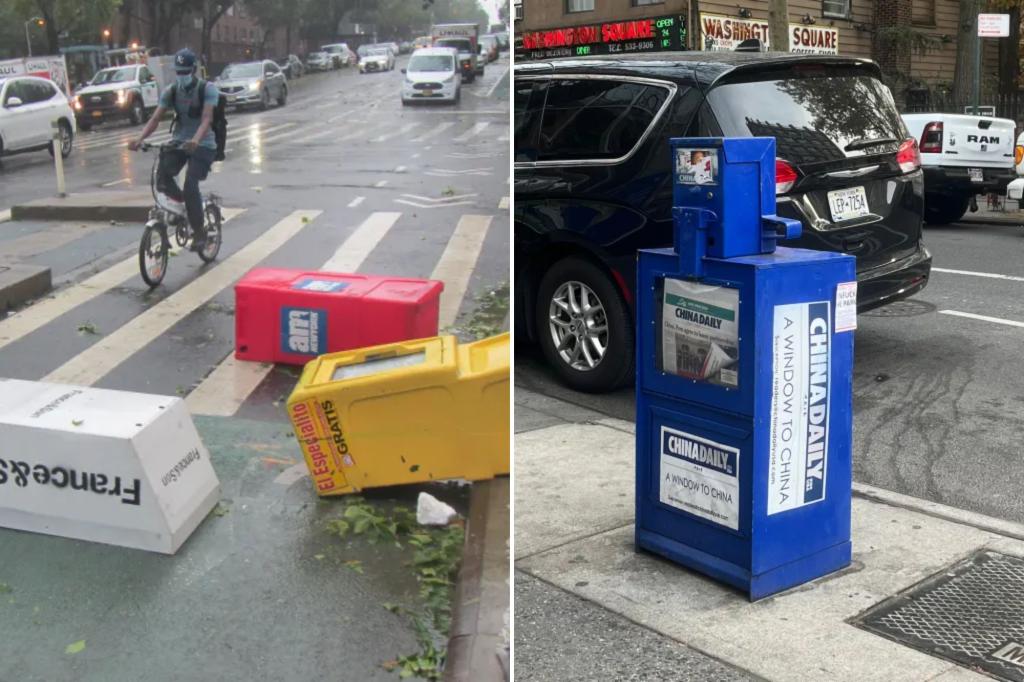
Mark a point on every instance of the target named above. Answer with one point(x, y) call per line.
point(586, 119)
point(813, 118)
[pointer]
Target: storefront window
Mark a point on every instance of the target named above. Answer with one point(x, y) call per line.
point(835, 8)
point(579, 6)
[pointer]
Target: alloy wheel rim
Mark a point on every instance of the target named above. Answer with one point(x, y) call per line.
point(65, 140)
point(578, 325)
point(154, 254)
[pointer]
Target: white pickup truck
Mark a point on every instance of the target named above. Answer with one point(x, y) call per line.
point(962, 156)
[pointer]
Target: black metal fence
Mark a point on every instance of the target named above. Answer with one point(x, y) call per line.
point(1010, 105)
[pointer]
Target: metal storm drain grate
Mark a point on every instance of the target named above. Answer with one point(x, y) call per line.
point(971, 613)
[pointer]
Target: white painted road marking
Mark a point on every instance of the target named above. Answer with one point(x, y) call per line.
point(989, 275)
point(473, 132)
point(5, 215)
point(503, 204)
point(42, 312)
point(458, 262)
point(95, 362)
point(983, 318)
point(395, 132)
point(495, 86)
point(433, 132)
point(117, 182)
point(355, 202)
point(229, 385)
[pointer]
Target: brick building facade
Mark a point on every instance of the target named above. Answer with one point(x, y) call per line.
point(913, 40)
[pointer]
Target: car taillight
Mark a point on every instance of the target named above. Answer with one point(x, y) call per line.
point(785, 177)
point(907, 156)
point(931, 138)
point(1018, 154)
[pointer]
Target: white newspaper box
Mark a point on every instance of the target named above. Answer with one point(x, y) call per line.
point(106, 466)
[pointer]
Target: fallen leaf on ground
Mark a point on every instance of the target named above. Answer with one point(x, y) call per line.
point(75, 648)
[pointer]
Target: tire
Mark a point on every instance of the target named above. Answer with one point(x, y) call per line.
point(67, 139)
point(153, 253)
point(213, 234)
point(940, 209)
point(137, 114)
point(612, 369)
point(264, 100)
point(458, 96)
point(283, 98)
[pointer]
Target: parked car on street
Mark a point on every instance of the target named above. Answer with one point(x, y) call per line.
point(253, 84)
point(340, 53)
point(593, 182)
point(962, 155)
point(490, 47)
point(502, 41)
point(28, 108)
point(319, 61)
point(292, 67)
point(376, 58)
point(121, 92)
point(432, 74)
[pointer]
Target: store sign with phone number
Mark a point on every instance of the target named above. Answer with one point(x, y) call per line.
point(657, 34)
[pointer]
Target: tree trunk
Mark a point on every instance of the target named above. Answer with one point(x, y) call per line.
point(778, 25)
point(966, 39)
point(288, 37)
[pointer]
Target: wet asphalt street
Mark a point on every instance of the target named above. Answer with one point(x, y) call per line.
point(938, 379)
point(342, 174)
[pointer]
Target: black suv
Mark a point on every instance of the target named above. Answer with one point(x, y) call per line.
point(593, 182)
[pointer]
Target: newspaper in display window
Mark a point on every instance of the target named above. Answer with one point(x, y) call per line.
point(700, 332)
point(697, 166)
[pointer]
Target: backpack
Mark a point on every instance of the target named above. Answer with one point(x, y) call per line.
point(220, 119)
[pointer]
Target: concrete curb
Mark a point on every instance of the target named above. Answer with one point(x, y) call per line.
point(121, 206)
point(20, 283)
point(477, 644)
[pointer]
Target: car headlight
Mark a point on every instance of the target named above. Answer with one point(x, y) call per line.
point(76, 102)
point(254, 86)
point(122, 97)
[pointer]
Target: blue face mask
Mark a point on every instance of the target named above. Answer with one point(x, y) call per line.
point(184, 81)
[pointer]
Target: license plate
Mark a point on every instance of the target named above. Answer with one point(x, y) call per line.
point(977, 175)
point(97, 114)
point(428, 93)
point(847, 204)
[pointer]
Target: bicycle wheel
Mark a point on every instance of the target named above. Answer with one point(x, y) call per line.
point(213, 224)
point(153, 252)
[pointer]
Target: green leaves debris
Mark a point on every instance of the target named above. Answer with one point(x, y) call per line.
point(75, 648)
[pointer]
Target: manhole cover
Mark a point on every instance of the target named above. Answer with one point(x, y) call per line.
point(971, 613)
point(902, 309)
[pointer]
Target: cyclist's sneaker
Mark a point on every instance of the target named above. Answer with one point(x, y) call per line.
point(175, 207)
point(198, 244)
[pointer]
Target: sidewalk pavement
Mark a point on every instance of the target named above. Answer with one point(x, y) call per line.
point(589, 607)
point(984, 215)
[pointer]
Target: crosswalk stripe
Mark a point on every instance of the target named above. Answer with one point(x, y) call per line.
point(314, 136)
point(433, 132)
point(394, 133)
point(95, 362)
point(503, 204)
point(458, 262)
point(473, 132)
point(43, 312)
point(229, 385)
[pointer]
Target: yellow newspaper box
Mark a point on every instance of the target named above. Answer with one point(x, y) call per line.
point(405, 412)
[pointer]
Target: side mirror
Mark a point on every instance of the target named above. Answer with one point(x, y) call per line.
point(403, 70)
point(13, 102)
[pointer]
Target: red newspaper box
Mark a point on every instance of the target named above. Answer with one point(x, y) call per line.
point(292, 316)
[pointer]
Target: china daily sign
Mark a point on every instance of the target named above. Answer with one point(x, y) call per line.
point(798, 445)
point(106, 466)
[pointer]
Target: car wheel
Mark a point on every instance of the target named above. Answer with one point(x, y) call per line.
point(584, 327)
point(66, 139)
point(940, 209)
point(137, 114)
point(265, 100)
point(283, 99)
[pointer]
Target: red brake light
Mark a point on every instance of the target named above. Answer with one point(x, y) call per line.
point(785, 177)
point(931, 138)
point(907, 155)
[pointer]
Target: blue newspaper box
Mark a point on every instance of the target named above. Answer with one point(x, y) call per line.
point(744, 381)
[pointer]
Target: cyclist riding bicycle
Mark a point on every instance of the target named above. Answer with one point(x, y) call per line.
point(193, 135)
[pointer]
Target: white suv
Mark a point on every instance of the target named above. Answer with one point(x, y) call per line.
point(28, 107)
